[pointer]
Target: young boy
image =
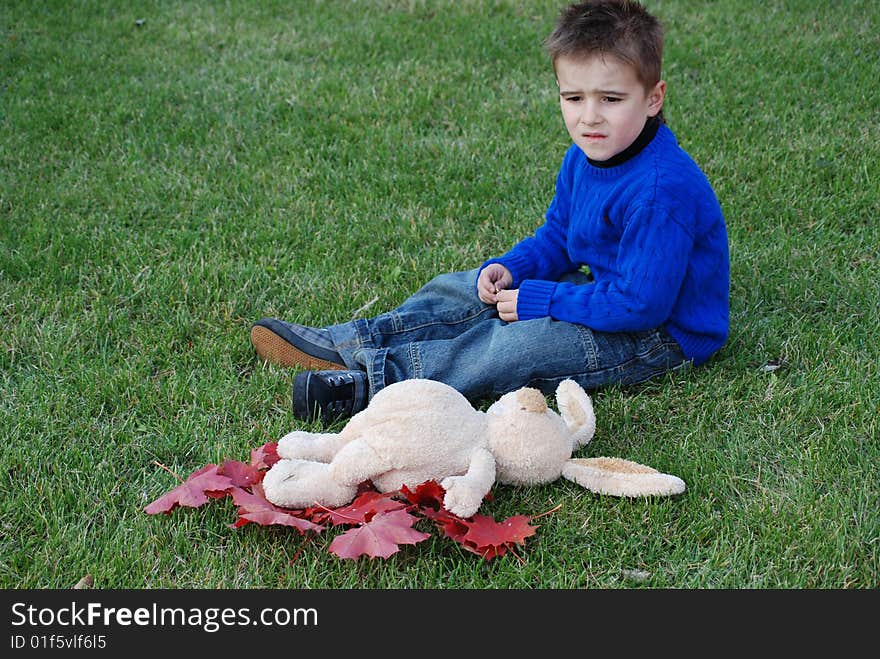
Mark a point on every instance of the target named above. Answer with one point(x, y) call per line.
point(631, 208)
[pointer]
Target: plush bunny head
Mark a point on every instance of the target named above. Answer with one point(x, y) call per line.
point(530, 441)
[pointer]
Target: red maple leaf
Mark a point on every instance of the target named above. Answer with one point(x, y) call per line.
point(488, 552)
point(253, 507)
point(241, 474)
point(426, 495)
point(489, 538)
point(265, 456)
point(453, 526)
point(479, 534)
point(363, 509)
point(378, 537)
point(195, 491)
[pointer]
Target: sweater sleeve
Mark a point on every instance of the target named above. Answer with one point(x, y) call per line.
point(638, 294)
point(544, 255)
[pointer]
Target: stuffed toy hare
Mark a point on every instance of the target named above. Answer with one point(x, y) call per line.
point(419, 430)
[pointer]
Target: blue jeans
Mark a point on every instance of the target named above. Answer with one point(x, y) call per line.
point(444, 332)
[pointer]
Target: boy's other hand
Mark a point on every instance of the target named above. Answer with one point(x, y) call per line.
point(507, 304)
point(493, 278)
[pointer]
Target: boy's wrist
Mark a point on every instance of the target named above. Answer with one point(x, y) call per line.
point(534, 298)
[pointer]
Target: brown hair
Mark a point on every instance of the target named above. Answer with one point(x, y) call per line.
point(619, 28)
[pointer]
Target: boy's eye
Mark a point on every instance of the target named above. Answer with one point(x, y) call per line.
point(612, 99)
point(573, 99)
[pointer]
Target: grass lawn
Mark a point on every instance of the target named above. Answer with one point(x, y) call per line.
point(172, 171)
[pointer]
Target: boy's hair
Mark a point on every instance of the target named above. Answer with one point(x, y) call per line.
point(620, 28)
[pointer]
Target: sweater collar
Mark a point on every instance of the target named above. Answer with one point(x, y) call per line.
point(652, 125)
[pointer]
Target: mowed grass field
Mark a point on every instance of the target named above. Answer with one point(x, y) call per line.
point(172, 171)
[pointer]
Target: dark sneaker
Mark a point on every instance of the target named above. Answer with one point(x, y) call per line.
point(329, 395)
point(287, 344)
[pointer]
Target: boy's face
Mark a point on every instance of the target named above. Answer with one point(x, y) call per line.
point(604, 105)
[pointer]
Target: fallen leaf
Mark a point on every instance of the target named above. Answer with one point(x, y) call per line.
point(241, 474)
point(201, 485)
point(363, 509)
point(380, 537)
point(453, 527)
point(428, 494)
point(85, 583)
point(489, 538)
point(265, 456)
point(254, 507)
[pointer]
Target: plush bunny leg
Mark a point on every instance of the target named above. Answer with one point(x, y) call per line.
point(317, 447)
point(621, 478)
point(356, 462)
point(302, 483)
point(465, 493)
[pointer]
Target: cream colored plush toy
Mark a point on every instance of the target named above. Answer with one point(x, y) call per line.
point(419, 430)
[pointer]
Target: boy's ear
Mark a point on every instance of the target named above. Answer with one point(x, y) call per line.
point(655, 98)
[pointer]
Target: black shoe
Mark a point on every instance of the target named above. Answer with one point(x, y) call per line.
point(329, 395)
point(287, 344)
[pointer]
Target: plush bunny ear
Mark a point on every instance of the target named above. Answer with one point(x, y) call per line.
point(576, 408)
point(621, 478)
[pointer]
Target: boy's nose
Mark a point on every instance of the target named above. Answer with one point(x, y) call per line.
point(590, 116)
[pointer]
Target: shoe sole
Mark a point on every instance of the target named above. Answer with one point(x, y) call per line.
point(272, 348)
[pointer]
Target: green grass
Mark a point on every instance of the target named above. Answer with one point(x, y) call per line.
point(162, 186)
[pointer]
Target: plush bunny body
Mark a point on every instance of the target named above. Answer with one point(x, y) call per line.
point(419, 430)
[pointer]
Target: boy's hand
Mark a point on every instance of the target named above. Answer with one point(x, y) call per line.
point(493, 278)
point(507, 304)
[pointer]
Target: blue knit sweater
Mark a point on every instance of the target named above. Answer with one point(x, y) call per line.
point(652, 234)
